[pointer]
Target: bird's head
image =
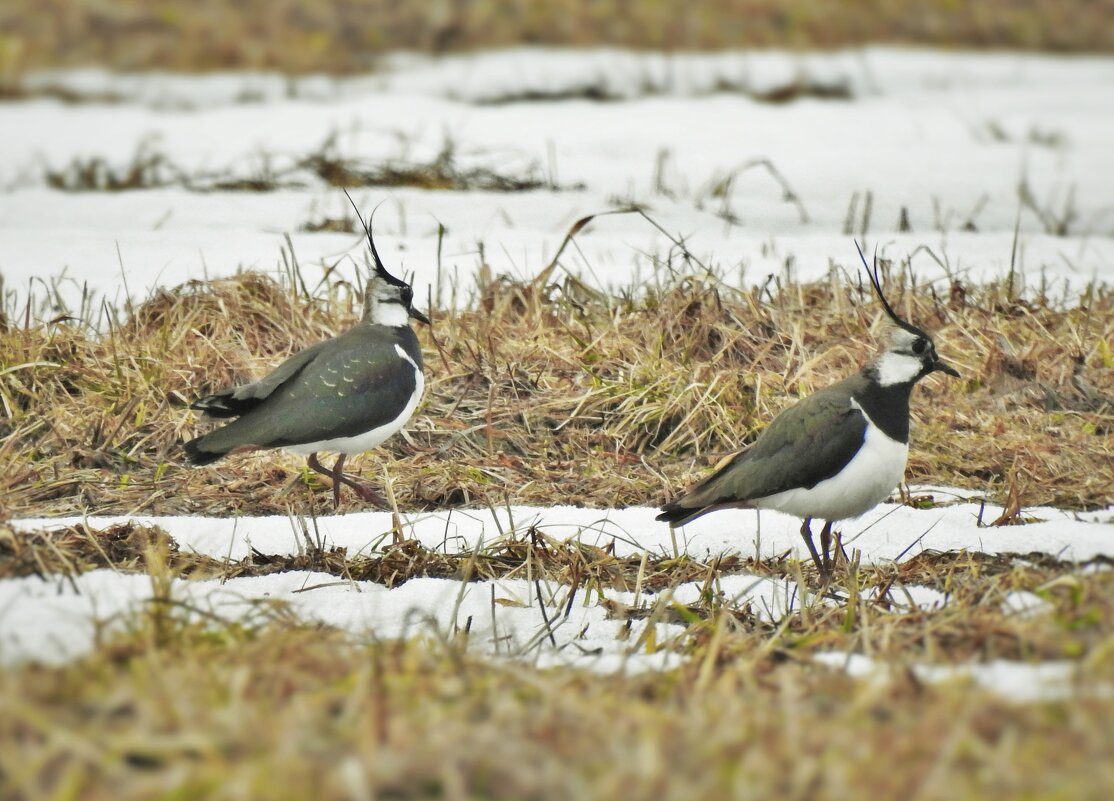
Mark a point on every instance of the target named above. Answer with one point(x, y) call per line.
point(911, 353)
point(387, 300)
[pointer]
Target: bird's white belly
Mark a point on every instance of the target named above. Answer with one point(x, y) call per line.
point(369, 439)
point(866, 481)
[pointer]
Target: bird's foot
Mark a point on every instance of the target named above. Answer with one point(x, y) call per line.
point(337, 476)
point(366, 493)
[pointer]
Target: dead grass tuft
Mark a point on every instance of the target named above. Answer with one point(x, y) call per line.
point(150, 168)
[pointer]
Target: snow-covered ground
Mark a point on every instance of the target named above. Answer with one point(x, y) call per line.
point(59, 618)
point(948, 138)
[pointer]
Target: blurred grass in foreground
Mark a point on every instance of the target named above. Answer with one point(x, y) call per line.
point(294, 712)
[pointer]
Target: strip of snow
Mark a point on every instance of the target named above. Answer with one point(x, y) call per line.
point(886, 533)
point(58, 619)
point(130, 244)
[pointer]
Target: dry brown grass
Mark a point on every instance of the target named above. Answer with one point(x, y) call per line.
point(298, 36)
point(552, 393)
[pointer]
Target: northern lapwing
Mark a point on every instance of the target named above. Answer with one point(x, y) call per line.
point(833, 455)
point(344, 395)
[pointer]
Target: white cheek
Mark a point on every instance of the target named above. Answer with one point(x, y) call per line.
point(897, 368)
point(391, 314)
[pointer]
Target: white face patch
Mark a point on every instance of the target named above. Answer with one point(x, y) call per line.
point(897, 368)
point(391, 314)
point(383, 304)
point(902, 340)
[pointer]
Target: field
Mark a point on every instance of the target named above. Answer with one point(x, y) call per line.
point(633, 262)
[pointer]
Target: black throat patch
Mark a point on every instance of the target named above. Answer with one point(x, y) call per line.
point(887, 407)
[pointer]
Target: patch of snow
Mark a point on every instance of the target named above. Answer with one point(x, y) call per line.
point(58, 619)
point(769, 599)
point(1019, 682)
point(1024, 604)
point(527, 74)
point(164, 90)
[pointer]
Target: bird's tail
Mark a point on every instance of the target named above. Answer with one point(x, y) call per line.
point(197, 454)
point(676, 515)
point(706, 496)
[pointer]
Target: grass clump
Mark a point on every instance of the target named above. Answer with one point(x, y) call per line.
point(150, 168)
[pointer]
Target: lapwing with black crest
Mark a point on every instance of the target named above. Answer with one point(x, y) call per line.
point(345, 395)
point(833, 455)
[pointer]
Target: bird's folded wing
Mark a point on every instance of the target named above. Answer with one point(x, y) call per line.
point(236, 401)
point(344, 392)
point(806, 444)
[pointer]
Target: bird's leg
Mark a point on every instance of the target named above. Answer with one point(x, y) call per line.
point(338, 468)
point(806, 533)
point(826, 545)
point(311, 460)
point(365, 492)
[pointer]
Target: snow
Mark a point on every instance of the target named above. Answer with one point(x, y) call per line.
point(58, 618)
point(889, 532)
point(502, 75)
point(1024, 604)
point(947, 137)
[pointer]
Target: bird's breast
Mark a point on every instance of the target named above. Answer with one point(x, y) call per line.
point(865, 481)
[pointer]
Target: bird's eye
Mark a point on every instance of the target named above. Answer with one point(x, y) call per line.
point(919, 345)
point(407, 296)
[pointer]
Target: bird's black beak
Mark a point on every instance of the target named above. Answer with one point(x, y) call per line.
point(940, 366)
point(417, 315)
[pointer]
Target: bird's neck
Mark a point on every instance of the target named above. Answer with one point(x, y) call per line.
point(887, 405)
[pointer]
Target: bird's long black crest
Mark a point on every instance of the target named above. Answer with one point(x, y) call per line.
point(877, 284)
point(379, 267)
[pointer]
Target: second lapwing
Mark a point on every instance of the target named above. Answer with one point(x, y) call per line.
point(345, 395)
point(833, 455)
